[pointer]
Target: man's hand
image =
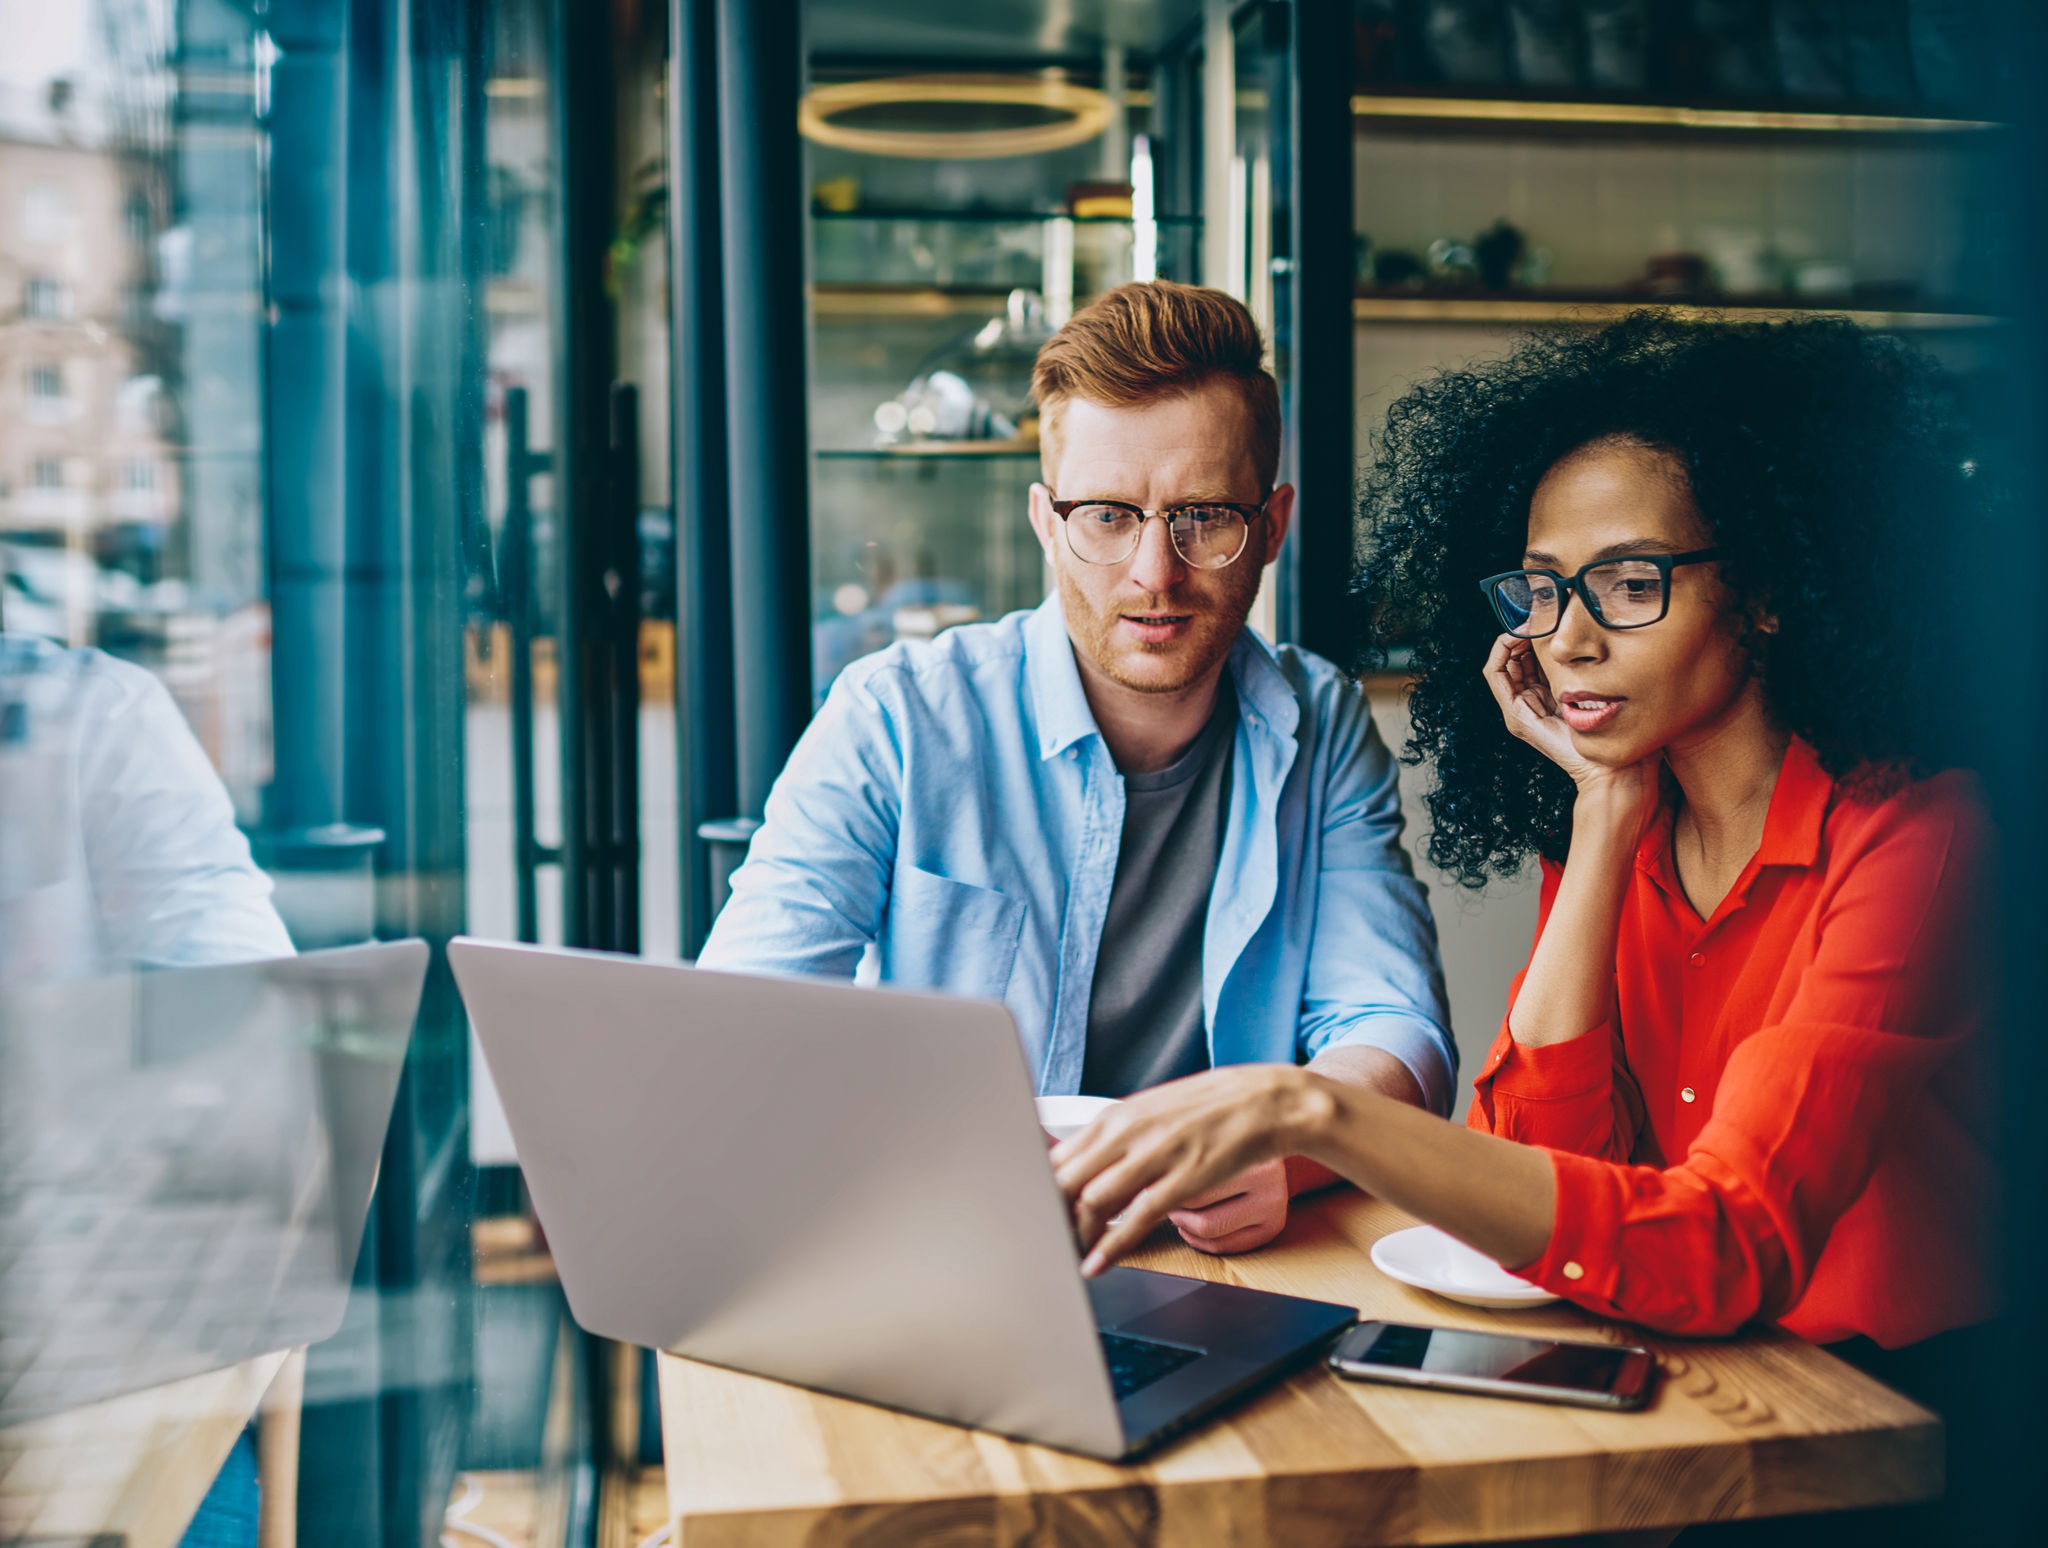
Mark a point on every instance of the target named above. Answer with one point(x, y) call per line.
point(1247, 1211)
point(1250, 1209)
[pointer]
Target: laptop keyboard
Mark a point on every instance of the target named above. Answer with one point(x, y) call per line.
point(1135, 1363)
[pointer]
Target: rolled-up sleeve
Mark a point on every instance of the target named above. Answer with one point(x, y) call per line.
point(1375, 979)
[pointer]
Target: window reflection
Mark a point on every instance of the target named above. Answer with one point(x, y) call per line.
point(267, 274)
point(118, 845)
point(189, 1166)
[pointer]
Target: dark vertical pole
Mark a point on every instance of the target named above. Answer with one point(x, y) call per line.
point(1176, 153)
point(516, 589)
point(705, 769)
point(1267, 56)
point(305, 363)
point(305, 213)
point(619, 874)
point(585, 343)
point(1320, 381)
point(760, 70)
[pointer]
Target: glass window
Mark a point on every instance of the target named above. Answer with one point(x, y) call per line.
point(280, 269)
point(44, 299)
point(46, 211)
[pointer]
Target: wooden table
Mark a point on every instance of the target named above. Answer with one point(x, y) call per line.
point(1763, 1425)
point(133, 1469)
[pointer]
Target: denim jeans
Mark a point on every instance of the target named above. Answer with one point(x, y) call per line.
point(227, 1516)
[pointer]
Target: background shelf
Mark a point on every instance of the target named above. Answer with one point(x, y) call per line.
point(992, 217)
point(1410, 112)
point(1510, 310)
point(934, 451)
point(864, 301)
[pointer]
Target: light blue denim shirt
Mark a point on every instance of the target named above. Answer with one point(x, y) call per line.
point(955, 810)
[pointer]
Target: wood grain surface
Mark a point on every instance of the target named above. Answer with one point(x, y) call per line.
point(130, 1469)
point(1762, 1425)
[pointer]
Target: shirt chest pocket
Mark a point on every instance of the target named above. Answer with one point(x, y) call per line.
point(949, 935)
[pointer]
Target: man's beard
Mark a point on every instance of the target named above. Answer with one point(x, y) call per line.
point(1214, 629)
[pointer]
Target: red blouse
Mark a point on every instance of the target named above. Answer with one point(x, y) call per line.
point(1782, 1118)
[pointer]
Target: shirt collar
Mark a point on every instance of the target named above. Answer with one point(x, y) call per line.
point(1799, 805)
point(1265, 698)
point(1792, 825)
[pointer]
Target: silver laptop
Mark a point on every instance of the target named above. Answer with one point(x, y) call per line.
point(186, 1162)
point(845, 1188)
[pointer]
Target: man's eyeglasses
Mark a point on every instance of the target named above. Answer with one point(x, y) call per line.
point(1208, 536)
point(1630, 593)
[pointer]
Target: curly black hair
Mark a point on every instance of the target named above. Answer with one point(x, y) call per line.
point(1823, 459)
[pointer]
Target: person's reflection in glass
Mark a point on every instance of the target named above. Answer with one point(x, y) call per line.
point(118, 844)
point(119, 850)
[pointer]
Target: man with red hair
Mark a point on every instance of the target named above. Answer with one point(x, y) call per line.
point(1164, 842)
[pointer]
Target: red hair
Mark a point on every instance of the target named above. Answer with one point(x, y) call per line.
point(1145, 341)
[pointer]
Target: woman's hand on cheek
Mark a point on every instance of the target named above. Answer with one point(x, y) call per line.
point(1523, 693)
point(1515, 674)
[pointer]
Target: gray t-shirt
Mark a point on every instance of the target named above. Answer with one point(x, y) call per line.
point(1145, 1009)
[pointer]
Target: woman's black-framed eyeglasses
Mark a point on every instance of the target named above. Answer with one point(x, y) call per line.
point(1630, 593)
point(1209, 535)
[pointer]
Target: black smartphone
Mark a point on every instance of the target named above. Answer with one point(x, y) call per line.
point(1498, 1364)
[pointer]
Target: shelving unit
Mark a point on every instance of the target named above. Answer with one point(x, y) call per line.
point(933, 451)
point(981, 217)
point(835, 302)
point(932, 527)
point(1093, 241)
point(1606, 181)
point(1538, 310)
point(1415, 111)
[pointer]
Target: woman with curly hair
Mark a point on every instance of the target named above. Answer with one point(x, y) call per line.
point(1664, 585)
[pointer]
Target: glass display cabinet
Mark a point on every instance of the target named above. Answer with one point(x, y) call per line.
point(1528, 164)
point(972, 180)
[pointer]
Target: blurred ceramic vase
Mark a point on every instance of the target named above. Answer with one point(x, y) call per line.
point(1465, 41)
point(1498, 254)
point(1813, 48)
point(1452, 262)
point(1823, 279)
point(1740, 261)
point(1394, 268)
point(1735, 44)
point(1544, 42)
point(1617, 44)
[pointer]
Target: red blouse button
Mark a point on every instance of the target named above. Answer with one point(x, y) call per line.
point(1698, 959)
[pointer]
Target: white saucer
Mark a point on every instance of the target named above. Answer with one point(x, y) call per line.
point(1428, 1259)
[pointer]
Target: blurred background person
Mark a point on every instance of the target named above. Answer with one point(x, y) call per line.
point(118, 844)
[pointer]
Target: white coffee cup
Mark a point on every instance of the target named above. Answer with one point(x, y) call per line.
point(1065, 1116)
